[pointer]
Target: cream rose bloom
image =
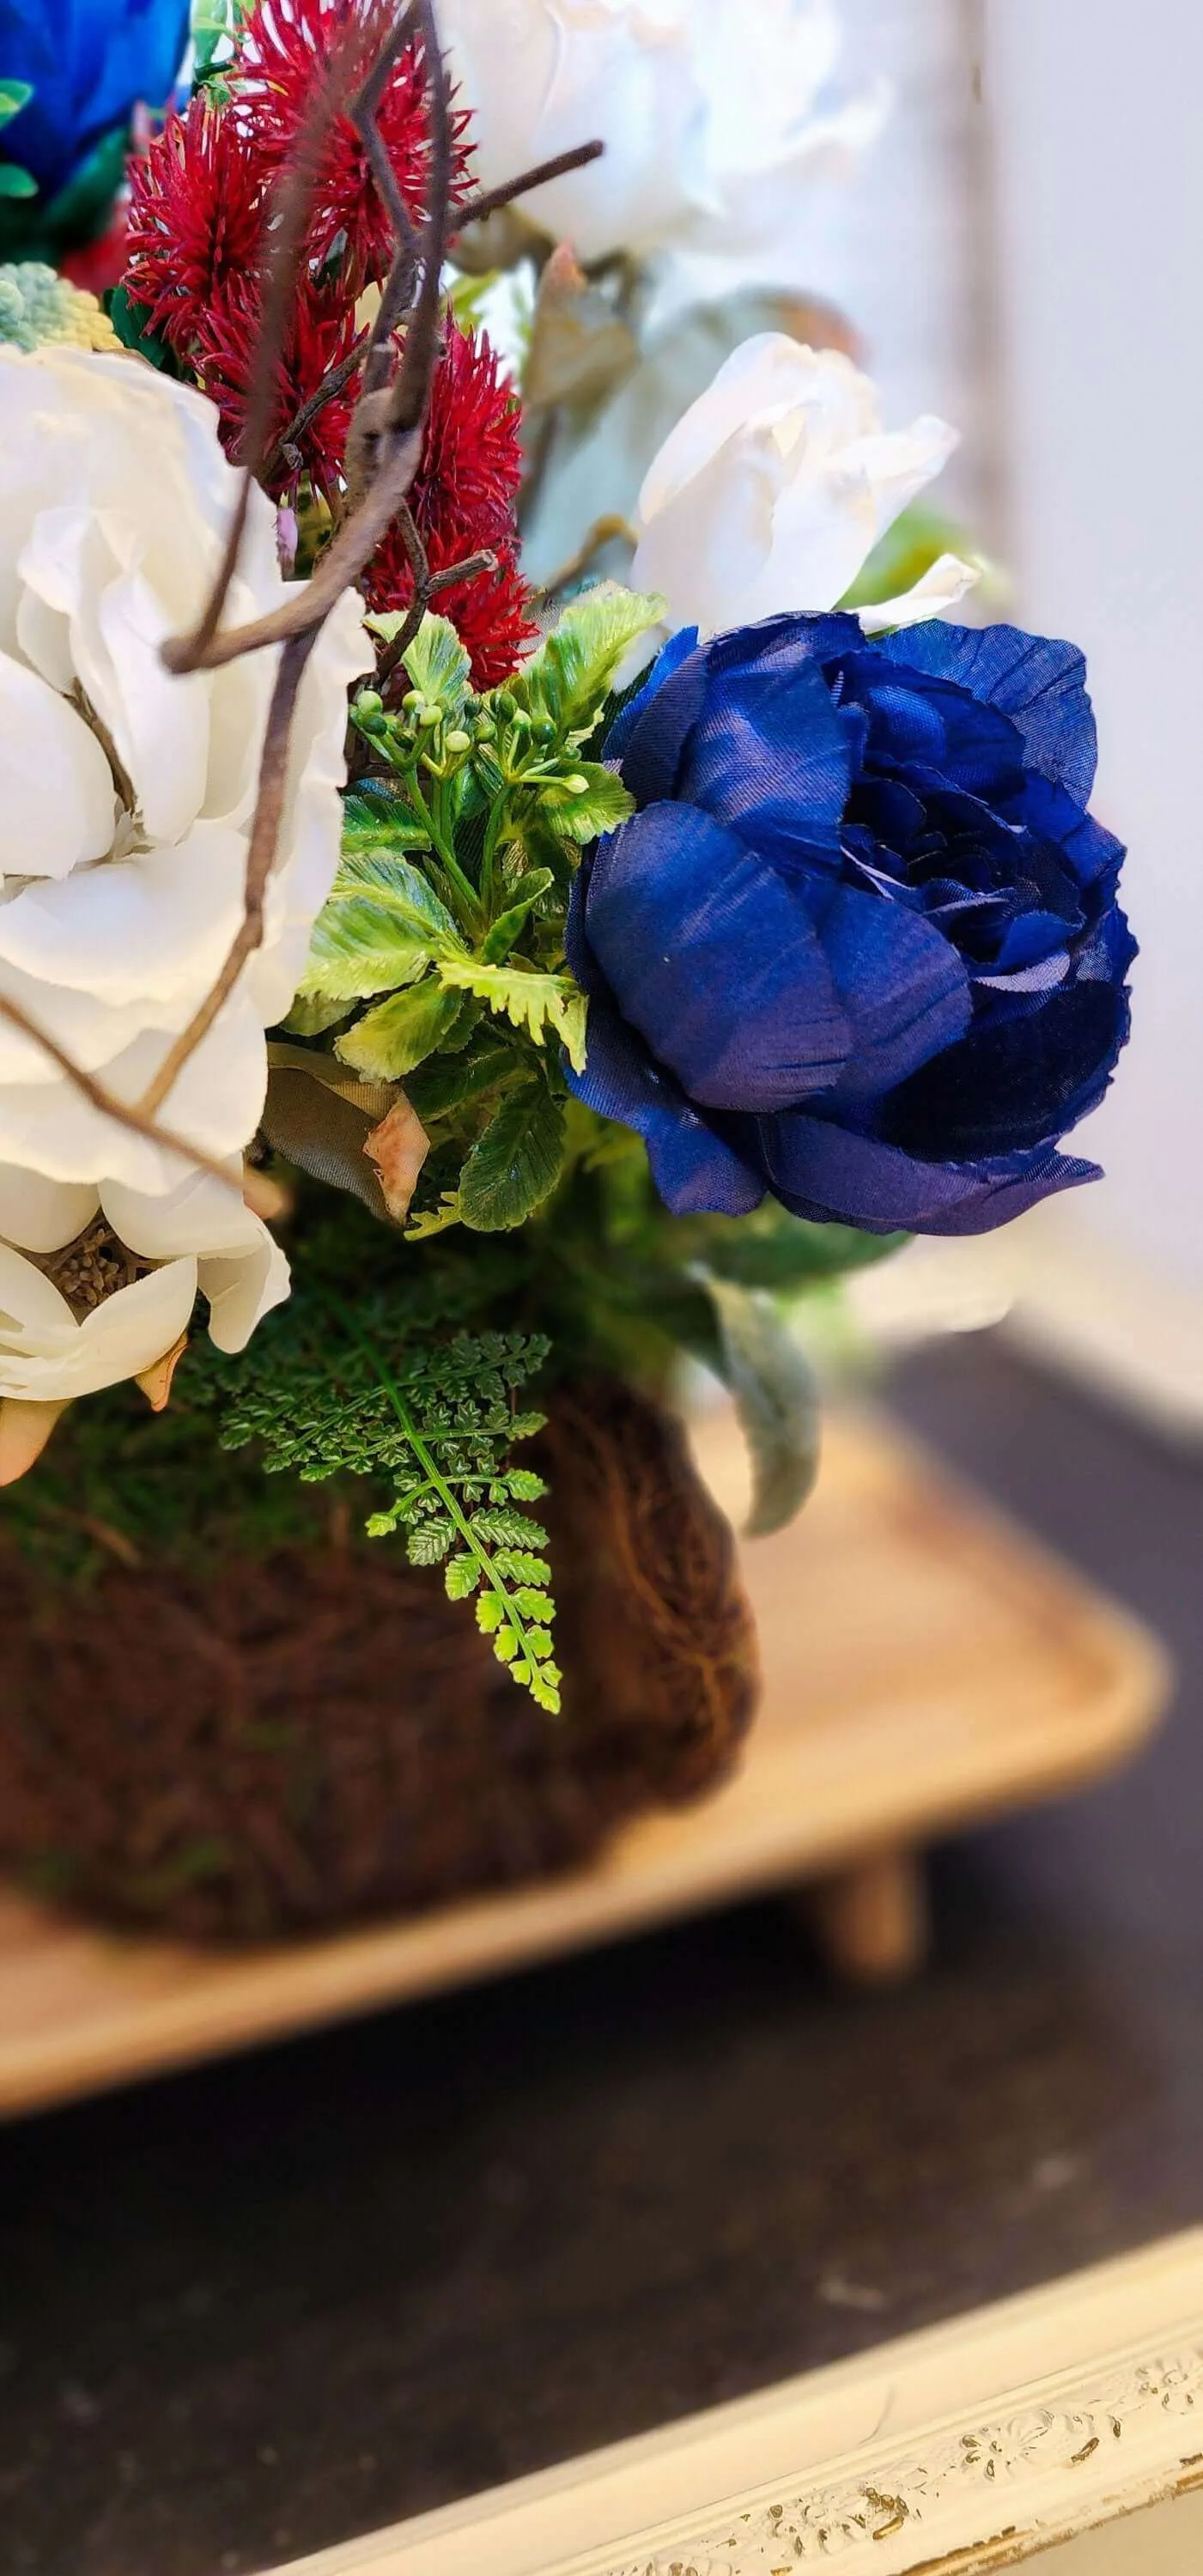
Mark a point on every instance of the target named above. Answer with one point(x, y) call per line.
point(99, 1284)
point(702, 106)
point(774, 488)
point(126, 795)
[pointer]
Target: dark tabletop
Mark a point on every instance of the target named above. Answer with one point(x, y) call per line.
point(255, 2310)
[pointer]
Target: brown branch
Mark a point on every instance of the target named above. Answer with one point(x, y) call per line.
point(492, 200)
point(339, 569)
point(261, 852)
point(288, 217)
point(332, 383)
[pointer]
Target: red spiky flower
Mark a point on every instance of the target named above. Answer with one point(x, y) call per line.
point(320, 332)
point(196, 216)
point(284, 47)
point(464, 500)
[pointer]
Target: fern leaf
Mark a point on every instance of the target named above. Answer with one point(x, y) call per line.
point(536, 1003)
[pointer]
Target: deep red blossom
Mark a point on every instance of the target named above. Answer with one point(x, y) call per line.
point(321, 331)
point(196, 216)
point(464, 500)
point(284, 48)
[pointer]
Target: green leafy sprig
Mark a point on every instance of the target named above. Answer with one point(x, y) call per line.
point(438, 961)
point(328, 1394)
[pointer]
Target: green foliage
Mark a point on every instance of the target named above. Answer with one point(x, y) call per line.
point(775, 1397)
point(570, 677)
point(535, 1002)
point(14, 182)
point(515, 1163)
point(335, 1391)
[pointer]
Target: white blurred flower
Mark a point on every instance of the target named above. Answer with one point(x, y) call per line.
point(99, 1284)
point(774, 488)
point(704, 107)
point(126, 795)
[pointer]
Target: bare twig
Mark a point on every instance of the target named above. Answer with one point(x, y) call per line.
point(427, 585)
point(333, 382)
point(604, 532)
point(491, 200)
point(261, 851)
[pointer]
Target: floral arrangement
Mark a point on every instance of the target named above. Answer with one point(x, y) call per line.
point(568, 972)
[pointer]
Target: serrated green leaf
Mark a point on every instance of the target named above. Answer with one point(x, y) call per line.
point(509, 1529)
point(377, 819)
point(431, 1221)
point(520, 1565)
point(775, 1398)
point(359, 947)
point(534, 1605)
point(15, 182)
point(505, 1645)
point(389, 878)
point(436, 661)
point(525, 1485)
point(313, 1013)
point(503, 933)
point(533, 1002)
point(462, 1577)
point(515, 1165)
point(570, 676)
point(589, 800)
point(446, 1085)
point(429, 1543)
point(400, 1033)
point(489, 1613)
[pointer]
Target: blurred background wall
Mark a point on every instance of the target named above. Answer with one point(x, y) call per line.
point(1021, 251)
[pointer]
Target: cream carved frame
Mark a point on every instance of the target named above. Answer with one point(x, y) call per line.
point(1066, 2425)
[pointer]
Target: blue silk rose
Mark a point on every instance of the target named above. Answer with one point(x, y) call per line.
point(90, 63)
point(860, 944)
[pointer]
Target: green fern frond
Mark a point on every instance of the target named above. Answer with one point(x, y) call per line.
point(437, 1423)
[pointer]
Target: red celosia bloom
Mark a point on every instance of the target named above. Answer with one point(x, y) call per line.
point(464, 500)
point(195, 220)
point(321, 331)
point(283, 48)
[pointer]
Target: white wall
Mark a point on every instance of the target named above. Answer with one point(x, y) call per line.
point(1095, 121)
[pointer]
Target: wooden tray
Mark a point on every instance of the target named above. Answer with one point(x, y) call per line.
point(924, 1665)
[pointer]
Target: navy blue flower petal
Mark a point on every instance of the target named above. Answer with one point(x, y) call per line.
point(694, 1171)
point(934, 726)
point(901, 983)
point(709, 954)
point(1015, 1081)
point(830, 1174)
point(771, 758)
point(1036, 680)
point(674, 653)
point(652, 746)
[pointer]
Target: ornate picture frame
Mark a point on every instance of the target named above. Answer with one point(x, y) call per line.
point(1027, 2430)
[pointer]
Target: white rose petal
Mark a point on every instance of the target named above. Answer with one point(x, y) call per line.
point(937, 590)
point(775, 487)
point(114, 503)
point(200, 1234)
point(43, 741)
point(698, 103)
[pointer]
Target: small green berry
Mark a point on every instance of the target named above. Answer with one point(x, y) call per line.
point(576, 785)
point(459, 741)
point(369, 703)
point(544, 731)
point(412, 701)
point(430, 715)
point(486, 730)
point(506, 704)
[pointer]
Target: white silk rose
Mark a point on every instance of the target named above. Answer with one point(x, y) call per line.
point(126, 795)
point(701, 104)
point(776, 485)
point(99, 1284)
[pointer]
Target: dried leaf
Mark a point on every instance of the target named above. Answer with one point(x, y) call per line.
point(397, 1148)
point(155, 1381)
point(24, 1431)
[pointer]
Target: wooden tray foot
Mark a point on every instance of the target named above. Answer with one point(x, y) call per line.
point(872, 1920)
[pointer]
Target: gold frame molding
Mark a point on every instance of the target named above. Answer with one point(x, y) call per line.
point(977, 2445)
